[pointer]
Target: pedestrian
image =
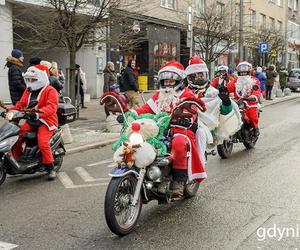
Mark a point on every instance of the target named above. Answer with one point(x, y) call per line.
point(271, 75)
point(130, 85)
point(283, 74)
point(16, 82)
point(34, 61)
point(55, 79)
point(110, 79)
point(80, 77)
point(261, 77)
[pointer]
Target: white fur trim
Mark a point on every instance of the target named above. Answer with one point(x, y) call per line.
point(192, 176)
point(153, 106)
point(173, 69)
point(53, 127)
point(194, 68)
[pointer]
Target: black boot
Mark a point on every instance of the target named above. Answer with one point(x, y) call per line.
point(51, 171)
point(179, 180)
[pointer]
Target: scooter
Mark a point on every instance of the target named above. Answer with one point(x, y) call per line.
point(31, 160)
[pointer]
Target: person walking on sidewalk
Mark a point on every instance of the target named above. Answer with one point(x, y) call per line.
point(79, 77)
point(130, 85)
point(271, 75)
point(283, 74)
point(16, 82)
point(110, 80)
point(261, 77)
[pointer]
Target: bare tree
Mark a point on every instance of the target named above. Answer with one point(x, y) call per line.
point(275, 39)
point(63, 23)
point(214, 31)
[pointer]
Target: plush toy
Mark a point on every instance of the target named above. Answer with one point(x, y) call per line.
point(151, 127)
point(127, 155)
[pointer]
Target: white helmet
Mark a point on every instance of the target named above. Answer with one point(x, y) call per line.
point(222, 68)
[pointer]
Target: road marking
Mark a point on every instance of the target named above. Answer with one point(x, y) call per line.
point(68, 183)
point(100, 163)
point(112, 165)
point(7, 246)
point(87, 177)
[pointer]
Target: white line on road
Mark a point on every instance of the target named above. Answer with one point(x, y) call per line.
point(100, 163)
point(7, 246)
point(87, 177)
point(68, 183)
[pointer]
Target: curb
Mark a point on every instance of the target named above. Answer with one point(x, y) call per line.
point(90, 146)
point(284, 100)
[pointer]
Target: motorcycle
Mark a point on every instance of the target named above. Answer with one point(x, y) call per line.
point(31, 160)
point(131, 187)
point(246, 134)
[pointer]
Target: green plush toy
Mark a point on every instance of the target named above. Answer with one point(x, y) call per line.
point(152, 128)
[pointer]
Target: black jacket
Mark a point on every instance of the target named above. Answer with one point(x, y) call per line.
point(56, 83)
point(130, 81)
point(16, 82)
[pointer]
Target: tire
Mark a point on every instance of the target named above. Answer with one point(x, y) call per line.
point(2, 174)
point(58, 161)
point(191, 189)
point(225, 149)
point(121, 188)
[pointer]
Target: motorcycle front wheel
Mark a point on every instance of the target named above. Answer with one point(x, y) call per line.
point(2, 173)
point(121, 216)
point(225, 149)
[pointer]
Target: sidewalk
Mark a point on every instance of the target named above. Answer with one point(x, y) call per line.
point(88, 132)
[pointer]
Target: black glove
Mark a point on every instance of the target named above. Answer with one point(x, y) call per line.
point(224, 96)
point(32, 116)
point(252, 98)
point(184, 122)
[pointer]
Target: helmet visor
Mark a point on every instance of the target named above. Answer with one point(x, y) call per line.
point(243, 68)
point(198, 78)
point(168, 75)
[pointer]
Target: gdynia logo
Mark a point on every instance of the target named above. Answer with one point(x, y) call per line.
point(277, 233)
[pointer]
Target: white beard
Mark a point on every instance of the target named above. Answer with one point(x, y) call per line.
point(168, 98)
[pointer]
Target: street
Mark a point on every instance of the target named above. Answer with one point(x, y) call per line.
point(243, 197)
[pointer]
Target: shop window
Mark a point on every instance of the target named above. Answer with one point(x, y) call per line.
point(164, 52)
point(170, 4)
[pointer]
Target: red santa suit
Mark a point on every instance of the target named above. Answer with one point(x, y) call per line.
point(184, 139)
point(218, 81)
point(251, 112)
point(47, 105)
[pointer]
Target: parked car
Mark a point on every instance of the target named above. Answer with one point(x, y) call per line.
point(294, 79)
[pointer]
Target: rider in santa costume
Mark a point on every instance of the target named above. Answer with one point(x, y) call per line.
point(222, 117)
point(185, 165)
point(224, 78)
point(38, 89)
point(244, 75)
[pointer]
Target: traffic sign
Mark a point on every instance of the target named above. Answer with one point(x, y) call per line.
point(263, 48)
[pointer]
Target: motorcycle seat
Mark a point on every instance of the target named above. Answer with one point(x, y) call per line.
point(30, 135)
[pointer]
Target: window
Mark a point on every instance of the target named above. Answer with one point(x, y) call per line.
point(262, 21)
point(199, 7)
point(295, 5)
point(293, 30)
point(252, 20)
point(290, 4)
point(171, 4)
point(279, 2)
point(279, 26)
point(271, 24)
point(220, 8)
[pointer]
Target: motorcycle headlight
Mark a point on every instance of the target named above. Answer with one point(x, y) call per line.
point(136, 138)
point(9, 142)
point(10, 115)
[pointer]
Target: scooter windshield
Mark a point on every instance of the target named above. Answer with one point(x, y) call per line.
point(244, 86)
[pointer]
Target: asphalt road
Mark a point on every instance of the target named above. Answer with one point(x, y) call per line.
point(249, 201)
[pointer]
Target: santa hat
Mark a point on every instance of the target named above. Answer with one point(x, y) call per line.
point(43, 68)
point(196, 64)
point(175, 67)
